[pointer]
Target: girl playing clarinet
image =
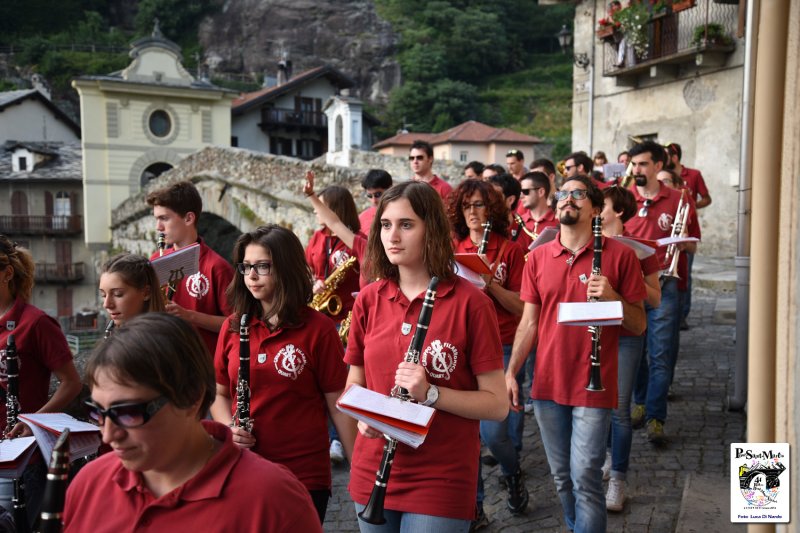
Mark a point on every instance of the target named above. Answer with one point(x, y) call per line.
point(296, 367)
point(459, 371)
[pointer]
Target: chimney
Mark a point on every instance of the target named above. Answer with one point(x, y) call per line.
point(284, 70)
point(38, 82)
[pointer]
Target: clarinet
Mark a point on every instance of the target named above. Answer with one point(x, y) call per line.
point(487, 228)
point(161, 243)
point(373, 512)
point(55, 487)
point(109, 328)
point(12, 417)
point(595, 385)
point(242, 418)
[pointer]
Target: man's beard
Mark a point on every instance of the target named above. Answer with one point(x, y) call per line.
point(568, 219)
point(641, 180)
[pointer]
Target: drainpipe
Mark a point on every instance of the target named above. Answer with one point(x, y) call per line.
point(770, 84)
point(737, 401)
point(591, 83)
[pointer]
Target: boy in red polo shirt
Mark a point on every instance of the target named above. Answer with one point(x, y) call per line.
point(574, 421)
point(199, 299)
point(420, 159)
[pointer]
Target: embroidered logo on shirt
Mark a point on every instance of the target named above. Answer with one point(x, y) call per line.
point(338, 257)
point(290, 361)
point(501, 273)
point(197, 285)
point(262, 357)
point(665, 221)
point(440, 359)
point(10, 325)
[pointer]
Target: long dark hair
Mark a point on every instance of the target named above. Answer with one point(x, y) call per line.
point(289, 269)
point(496, 209)
point(340, 201)
point(427, 205)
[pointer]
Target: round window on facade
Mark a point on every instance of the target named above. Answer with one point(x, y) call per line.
point(160, 123)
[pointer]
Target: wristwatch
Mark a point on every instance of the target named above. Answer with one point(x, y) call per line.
point(433, 395)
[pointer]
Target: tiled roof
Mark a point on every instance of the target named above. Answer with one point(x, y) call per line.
point(256, 98)
point(468, 132)
point(8, 98)
point(65, 165)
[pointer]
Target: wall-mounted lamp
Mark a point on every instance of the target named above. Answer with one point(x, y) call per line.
point(564, 37)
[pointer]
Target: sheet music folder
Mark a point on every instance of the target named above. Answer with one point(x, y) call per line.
point(15, 455)
point(187, 258)
point(408, 422)
point(590, 313)
point(84, 438)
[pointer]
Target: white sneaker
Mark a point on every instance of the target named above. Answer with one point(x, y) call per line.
point(607, 467)
point(528, 407)
point(337, 452)
point(615, 495)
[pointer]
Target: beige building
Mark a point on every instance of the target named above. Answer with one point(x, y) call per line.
point(470, 141)
point(141, 121)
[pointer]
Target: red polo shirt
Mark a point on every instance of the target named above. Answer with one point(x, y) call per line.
point(562, 354)
point(204, 292)
point(366, 217)
point(41, 349)
point(694, 181)
point(235, 491)
point(291, 369)
point(323, 254)
point(440, 477)
point(442, 187)
point(508, 275)
point(537, 225)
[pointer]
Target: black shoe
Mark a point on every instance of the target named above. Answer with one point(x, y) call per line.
point(517, 493)
point(481, 520)
point(488, 460)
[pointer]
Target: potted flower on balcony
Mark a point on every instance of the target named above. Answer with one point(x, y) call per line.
point(680, 5)
point(711, 33)
point(633, 21)
point(606, 27)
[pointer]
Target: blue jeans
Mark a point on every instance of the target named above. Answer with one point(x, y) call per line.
point(574, 440)
point(630, 353)
point(504, 439)
point(662, 341)
point(413, 523)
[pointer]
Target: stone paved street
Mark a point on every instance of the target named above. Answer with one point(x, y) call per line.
point(699, 426)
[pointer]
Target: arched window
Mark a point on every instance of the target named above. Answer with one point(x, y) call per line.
point(153, 171)
point(339, 134)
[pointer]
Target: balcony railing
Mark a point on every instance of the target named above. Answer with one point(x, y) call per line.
point(276, 117)
point(58, 272)
point(675, 38)
point(40, 224)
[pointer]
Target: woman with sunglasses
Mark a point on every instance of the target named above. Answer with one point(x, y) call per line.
point(128, 287)
point(151, 384)
point(459, 371)
point(326, 250)
point(296, 367)
point(619, 206)
point(473, 204)
point(42, 350)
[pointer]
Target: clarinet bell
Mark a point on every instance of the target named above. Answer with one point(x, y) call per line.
point(595, 383)
point(373, 512)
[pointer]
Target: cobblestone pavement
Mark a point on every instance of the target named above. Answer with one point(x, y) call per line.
point(699, 426)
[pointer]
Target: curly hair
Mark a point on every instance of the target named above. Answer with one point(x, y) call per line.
point(496, 210)
point(21, 283)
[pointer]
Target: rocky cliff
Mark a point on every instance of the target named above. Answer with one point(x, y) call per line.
point(248, 36)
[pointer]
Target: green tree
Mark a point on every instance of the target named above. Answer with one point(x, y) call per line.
point(179, 19)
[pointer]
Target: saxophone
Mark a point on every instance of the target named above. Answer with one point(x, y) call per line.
point(328, 301)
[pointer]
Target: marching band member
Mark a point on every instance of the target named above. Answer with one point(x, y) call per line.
point(128, 287)
point(374, 183)
point(535, 195)
point(42, 350)
point(459, 371)
point(296, 367)
point(151, 384)
point(573, 421)
point(619, 205)
point(473, 204)
point(326, 250)
point(512, 192)
point(200, 298)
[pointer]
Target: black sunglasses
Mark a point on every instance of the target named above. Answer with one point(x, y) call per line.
point(376, 194)
point(417, 157)
point(643, 209)
point(513, 152)
point(126, 415)
point(526, 192)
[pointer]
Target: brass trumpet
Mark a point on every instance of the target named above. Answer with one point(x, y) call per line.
point(679, 229)
point(328, 301)
point(532, 234)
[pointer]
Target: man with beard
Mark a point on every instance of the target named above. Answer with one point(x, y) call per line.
point(657, 206)
point(574, 421)
point(421, 161)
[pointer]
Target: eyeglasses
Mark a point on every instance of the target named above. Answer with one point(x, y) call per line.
point(643, 209)
point(577, 194)
point(526, 192)
point(126, 415)
point(513, 152)
point(262, 269)
point(371, 195)
point(416, 157)
point(474, 205)
point(569, 167)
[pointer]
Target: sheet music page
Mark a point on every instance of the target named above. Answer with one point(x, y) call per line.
point(11, 449)
point(590, 313)
point(642, 250)
point(547, 235)
point(666, 241)
point(23, 448)
point(367, 400)
point(468, 275)
point(408, 438)
point(84, 438)
point(187, 258)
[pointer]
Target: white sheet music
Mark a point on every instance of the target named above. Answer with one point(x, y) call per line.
point(15, 455)
point(641, 249)
point(666, 241)
point(187, 258)
point(468, 275)
point(84, 438)
point(547, 235)
point(590, 313)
